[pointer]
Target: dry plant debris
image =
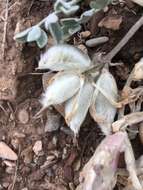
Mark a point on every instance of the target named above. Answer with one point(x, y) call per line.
point(6, 152)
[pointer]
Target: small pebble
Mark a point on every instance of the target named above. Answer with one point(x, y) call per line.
point(23, 116)
point(5, 184)
point(6, 152)
point(53, 121)
point(96, 41)
point(85, 34)
point(37, 148)
point(15, 143)
point(9, 163)
point(10, 170)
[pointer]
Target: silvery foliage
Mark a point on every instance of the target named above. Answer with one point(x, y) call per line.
point(60, 27)
point(73, 86)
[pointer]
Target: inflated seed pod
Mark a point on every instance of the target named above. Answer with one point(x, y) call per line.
point(61, 87)
point(64, 57)
point(102, 110)
point(45, 80)
point(77, 107)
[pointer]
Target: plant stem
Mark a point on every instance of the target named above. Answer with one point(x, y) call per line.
point(124, 40)
point(103, 60)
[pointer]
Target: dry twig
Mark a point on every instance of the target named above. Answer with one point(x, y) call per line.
point(5, 30)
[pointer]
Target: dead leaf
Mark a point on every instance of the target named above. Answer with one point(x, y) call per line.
point(6, 152)
point(37, 148)
point(111, 22)
point(23, 116)
point(85, 34)
point(127, 120)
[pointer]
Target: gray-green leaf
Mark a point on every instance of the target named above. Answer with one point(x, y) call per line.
point(34, 34)
point(56, 32)
point(99, 4)
point(69, 27)
point(22, 36)
point(51, 18)
point(43, 40)
point(86, 16)
point(66, 7)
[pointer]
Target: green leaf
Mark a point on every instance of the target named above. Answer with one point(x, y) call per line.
point(34, 34)
point(43, 40)
point(66, 7)
point(57, 5)
point(74, 29)
point(70, 11)
point(22, 36)
point(51, 18)
point(69, 27)
point(85, 17)
point(99, 4)
point(56, 32)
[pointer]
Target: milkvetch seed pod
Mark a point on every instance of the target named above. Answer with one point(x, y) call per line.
point(77, 107)
point(102, 111)
point(64, 57)
point(61, 87)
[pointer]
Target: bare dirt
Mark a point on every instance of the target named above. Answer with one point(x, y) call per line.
point(58, 163)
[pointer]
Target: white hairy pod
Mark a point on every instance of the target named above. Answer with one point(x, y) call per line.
point(102, 109)
point(61, 87)
point(64, 57)
point(77, 107)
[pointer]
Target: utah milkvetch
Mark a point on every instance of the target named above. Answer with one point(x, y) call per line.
point(73, 86)
point(64, 57)
point(61, 87)
point(102, 110)
point(77, 107)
